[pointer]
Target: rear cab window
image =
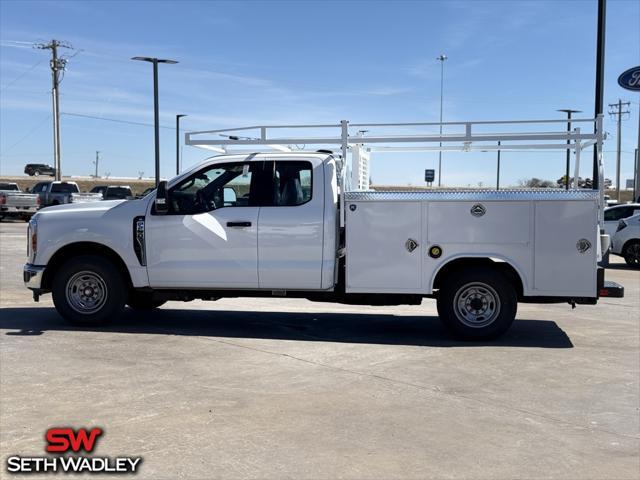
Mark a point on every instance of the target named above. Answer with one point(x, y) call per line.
point(64, 188)
point(292, 183)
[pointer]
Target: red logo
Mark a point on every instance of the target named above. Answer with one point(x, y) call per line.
point(65, 439)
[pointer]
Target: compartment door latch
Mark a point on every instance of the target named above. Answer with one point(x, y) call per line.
point(411, 245)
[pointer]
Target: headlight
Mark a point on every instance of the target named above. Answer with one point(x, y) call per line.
point(621, 224)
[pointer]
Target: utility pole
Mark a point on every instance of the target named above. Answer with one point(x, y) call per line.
point(57, 65)
point(97, 160)
point(636, 170)
point(441, 58)
point(615, 110)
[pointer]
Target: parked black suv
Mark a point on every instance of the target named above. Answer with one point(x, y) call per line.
point(36, 169)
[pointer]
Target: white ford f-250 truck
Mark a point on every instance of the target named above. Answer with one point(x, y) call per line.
point(284, 224)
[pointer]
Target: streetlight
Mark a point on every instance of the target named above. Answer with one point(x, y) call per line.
point(178, 142)
point(156, 116)
point(568, 111)
point(442, 58)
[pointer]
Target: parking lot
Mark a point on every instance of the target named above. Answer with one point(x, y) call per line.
point(283, 388)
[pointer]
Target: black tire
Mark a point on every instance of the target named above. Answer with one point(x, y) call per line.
point(36, 173)
point(477, 303)
point(143, 301)
point(105, 291)
point(631, 253)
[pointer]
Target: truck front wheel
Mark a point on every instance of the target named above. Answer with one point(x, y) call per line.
point(477, 303)
point(88, 290)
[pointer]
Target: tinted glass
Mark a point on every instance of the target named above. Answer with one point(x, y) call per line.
point(8, 186)
point(218, 186)
point(118, 192)
point(292, 183)
point(64, 188)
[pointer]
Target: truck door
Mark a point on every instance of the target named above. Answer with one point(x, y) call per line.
point(290, 228)
point(208, 239)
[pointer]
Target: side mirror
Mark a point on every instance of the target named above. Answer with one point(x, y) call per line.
point(162, 198)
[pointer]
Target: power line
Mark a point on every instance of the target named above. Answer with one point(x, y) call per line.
point(38, 125)
point(2, 89)
point(82, 115)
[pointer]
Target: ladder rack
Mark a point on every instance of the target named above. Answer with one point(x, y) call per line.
point(412, 137)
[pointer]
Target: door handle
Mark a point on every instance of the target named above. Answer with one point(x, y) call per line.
point(238, 224)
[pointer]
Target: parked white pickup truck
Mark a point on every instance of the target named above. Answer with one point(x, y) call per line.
point(61, 192)
point(16, 204)
point(280, 224)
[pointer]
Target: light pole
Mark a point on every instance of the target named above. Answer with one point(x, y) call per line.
point(568, 111)
point(442, 58)
point(156, 115)
point(178, 117)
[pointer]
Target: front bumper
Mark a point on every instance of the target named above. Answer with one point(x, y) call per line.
point(32, 276)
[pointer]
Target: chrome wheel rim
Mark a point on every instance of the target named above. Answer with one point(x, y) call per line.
point(86, 292)
point(477, 305)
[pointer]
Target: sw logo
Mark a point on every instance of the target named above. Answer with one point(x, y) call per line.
point(65, 439)
point(70, 441)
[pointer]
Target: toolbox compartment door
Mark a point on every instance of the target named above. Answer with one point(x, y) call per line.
point(378, 259)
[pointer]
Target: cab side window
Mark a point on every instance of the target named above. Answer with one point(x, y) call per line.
point(292, 183)
point(216, 186)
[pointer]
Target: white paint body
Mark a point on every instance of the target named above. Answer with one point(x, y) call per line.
point(628, 233)
point(537, 236)
point(296, 247)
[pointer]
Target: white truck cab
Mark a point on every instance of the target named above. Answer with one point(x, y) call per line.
point(283, 223)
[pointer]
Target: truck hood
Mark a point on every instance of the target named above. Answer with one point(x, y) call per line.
point(125, 209)
point(98, 207)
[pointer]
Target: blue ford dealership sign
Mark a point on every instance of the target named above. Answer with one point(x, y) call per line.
point(630, 79)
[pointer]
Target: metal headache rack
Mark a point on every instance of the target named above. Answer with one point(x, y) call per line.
point(504, 135)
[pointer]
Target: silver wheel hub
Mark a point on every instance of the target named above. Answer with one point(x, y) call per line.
point(476, 305)
point(86, 292)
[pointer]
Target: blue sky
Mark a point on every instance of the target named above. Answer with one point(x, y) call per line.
point(244, 63)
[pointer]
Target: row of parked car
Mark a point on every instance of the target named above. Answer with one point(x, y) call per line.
point(17, 204)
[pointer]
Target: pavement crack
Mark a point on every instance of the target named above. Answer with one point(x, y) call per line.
point(433, 389)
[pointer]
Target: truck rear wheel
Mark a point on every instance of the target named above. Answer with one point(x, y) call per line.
point(88, 290)
point(477, 303)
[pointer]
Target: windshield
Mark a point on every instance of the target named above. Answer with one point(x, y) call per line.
point(8, 186)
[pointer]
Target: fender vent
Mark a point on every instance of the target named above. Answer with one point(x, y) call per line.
point(138, 240)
